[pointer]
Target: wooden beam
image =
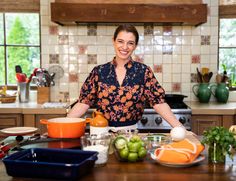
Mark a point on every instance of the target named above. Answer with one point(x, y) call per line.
point(132, 2)
point(227, 11)
point(19, 6)
point(68, 13)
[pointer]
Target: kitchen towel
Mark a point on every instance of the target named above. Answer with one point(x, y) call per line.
point(184, 151)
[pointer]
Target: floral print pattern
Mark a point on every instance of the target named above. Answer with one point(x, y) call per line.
point(122, 105)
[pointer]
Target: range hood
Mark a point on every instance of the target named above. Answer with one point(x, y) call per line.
point(179, 14)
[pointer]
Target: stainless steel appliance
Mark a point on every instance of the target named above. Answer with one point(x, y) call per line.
point(152, 122)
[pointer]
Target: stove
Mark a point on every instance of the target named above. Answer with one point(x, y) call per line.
point(153, 122)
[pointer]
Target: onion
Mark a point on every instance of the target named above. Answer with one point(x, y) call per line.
point(178, 133)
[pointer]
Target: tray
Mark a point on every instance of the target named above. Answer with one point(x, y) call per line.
point(50, 163)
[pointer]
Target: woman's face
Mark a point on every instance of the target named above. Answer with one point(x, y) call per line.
point(124, 45)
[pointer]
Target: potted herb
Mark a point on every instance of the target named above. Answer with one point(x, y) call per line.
point(221, 142)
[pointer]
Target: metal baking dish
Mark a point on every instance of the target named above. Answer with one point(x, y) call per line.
point(50, 163)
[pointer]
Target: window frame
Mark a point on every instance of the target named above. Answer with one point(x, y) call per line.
point(226, 12)
point(5, 46)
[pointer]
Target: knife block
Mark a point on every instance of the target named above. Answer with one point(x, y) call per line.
point(43, 95)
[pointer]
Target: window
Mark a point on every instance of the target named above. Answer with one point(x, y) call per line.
point(227, 48)
point(19, 44)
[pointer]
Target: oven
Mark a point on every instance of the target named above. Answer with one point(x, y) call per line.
point(152, 122)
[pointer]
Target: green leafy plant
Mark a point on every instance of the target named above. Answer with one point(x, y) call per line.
point(223, 138)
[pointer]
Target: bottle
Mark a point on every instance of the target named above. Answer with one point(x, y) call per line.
point(98, 124)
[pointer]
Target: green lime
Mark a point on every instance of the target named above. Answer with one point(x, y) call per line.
point(124, 153)
point(132, 157)
point(135, 138)
point(142, 152)
point(134, 146)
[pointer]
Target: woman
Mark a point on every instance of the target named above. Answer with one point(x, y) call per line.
point(120, 88)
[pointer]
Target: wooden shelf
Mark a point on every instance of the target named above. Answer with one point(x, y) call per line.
point(74, 13)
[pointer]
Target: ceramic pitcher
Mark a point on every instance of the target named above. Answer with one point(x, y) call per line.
point(220, 91)
point(202, 91)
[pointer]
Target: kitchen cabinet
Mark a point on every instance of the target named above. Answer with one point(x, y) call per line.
point(10, 120)
point(33, 120)
point(203, 122)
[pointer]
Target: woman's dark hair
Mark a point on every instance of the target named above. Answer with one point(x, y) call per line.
point(128, 28)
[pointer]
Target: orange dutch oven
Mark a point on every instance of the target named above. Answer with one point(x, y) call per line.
point(65, 127)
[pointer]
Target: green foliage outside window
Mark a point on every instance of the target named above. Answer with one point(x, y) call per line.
point(22, 45)
point(227, 49)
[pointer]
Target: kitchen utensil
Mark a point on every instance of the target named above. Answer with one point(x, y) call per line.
point(50, 163)
point(218, 78)
point(15, 131)
point(199, 76)
point(65, 127)
point(18, 69)
point(207, 77)
point(174, 98)
point(205, 70)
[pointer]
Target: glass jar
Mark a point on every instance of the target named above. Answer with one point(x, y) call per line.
point(99, 144)
point(216, 153)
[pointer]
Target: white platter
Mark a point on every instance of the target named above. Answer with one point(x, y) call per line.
point(14, 131)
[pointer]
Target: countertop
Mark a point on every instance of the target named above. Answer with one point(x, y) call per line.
point(197, 108)
point(149, 170)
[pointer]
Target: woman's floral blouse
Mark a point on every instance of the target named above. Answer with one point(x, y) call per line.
point(122, 105)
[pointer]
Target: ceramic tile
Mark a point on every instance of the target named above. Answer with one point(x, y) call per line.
point(196, 59)
point(73, 49)
point(185, 89)
point(167, 77)
point(205, 59)
point(186, 40)
point(167, 59)
point(186, 68)
point(101, 59)
point(176, 68)
point(168, 49)
point(157, 59)
point(138, 58)
point(148, 49)
point(87, 40)
point(44, 10)
point(44, 20)
point(91, 67)
point(63, 39)
point(157, 68)
point(73, 40)
point(140, 30)
point(102, 50)
point(73, 77)
point(82, 30)
point(167, 86)
point(148, 40)
point(205, 49)
point(196, 40)
point(92, 30)
point(53, 49)
point(53, 30)
point(177, 58)
point(186, 59)
point(110, 50)
point(168, 40)
point(52, 40)
point(148, 29)
point(194, 78)
point(53, 58)
point(147, 59)
point(101, 30)
point(166, 68)
point(158, 30)
point(167, 30)
point(177, 50)
point(177, 30)
point(73, 58)
point(158, 40)
point(104, 40)
point(82, 49)
point(82, 77)
point(92, 58)
point(176, 87)
point(177, 40)
point(187, 30)
point(185, 77)
point(63, 30)
point(196, 31)
point(73, 30)
point(186, 50)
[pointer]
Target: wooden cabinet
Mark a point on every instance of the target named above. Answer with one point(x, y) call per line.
point(42, 127)
point(10, 120)
point(203, 122)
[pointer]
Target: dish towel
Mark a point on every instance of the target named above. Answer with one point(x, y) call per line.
point(184, 151)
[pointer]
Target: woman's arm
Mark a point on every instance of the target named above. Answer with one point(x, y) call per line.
point(78, 110)
point(165, 112)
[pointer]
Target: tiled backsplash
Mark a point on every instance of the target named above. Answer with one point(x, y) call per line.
point(173, 52)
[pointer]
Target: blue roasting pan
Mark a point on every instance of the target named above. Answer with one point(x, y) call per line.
point(50, 163)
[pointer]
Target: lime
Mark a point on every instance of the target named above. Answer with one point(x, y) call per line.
point(132, 157)
point(134, 147)
point(142, 152)
point(135, 138)
point(124, 153)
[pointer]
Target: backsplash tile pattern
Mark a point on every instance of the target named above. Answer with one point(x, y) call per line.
point(173, 52)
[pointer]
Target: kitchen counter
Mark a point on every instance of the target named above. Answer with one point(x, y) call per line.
point(197, 108)
point(149, 170)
